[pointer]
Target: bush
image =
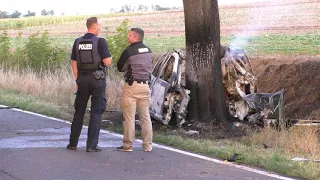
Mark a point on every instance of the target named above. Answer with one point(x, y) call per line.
point(42, 54)
point(119, 42)
point(39, 53)
point(5, 44)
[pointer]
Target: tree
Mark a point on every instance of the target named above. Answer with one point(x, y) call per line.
point(159, 8)
point(44, 12)
point(15, 14)
point(140, 7)
point(30, 14)
point(146, 8)
point(51, 12)
point(127, 8)
point(4, 14)
point(203, 63)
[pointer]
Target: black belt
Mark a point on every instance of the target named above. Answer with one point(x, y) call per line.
point(88, 72)
point(139, 81)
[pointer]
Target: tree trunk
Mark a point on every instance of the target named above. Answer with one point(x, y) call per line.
point(203, 64)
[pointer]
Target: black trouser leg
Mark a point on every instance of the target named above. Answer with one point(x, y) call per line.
point(80, 109)
point(98, 106)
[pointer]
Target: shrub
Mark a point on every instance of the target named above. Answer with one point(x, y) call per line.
point(42, 53)
point(119, 42)
point(19, 58)
point(5, 44)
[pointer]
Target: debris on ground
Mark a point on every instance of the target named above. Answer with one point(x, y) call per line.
point(9, 107)
point(235, 157)
point(304, 160)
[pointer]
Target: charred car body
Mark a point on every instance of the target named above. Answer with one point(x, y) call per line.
point(170, 98)
point(243, 101)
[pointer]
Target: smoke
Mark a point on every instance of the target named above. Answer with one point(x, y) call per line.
point(259, 19)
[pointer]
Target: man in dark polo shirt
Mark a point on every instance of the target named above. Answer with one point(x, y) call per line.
point(136, 63)
point(90, 56)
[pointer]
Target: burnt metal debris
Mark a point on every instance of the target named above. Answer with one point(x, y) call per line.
point(243, 101)
point(170, 98)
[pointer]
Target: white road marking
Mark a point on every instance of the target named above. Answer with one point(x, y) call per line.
point(167, 148)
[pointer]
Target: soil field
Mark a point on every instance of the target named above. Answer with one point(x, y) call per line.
point(279, 17)
point(300, 79)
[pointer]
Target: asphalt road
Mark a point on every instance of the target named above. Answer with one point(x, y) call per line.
point(32, 147)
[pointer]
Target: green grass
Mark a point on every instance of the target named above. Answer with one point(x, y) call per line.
point(307, 44)
point(31, 103)
point(286, 44)
point(165, 44)
point(254, 155)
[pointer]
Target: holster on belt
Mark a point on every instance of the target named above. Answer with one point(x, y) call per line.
point(130, 80)
point(99, 74)
point(129, 76)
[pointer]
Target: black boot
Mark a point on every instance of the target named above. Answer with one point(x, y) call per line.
point(94, 149)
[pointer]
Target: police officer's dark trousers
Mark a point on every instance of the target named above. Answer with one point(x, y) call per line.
point(88, 85)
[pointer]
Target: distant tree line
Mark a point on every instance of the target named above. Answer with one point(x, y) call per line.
point(17, 14)
point(141, 7)
point(47, 12)
point(5, 14)
point(124, 8)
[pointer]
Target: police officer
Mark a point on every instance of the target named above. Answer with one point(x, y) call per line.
point(90, 56)
point(136, 63)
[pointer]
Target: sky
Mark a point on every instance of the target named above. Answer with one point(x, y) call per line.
point(72, 7)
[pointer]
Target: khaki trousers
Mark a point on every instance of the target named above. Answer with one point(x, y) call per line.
point(136, 96)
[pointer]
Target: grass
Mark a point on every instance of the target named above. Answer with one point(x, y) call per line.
point(284, 145)
point(265, 45)
point(307, 44)
point(31, 103)
point(57, 87)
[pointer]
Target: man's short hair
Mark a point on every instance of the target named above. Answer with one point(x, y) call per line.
point(91, 21)
point(139, 32)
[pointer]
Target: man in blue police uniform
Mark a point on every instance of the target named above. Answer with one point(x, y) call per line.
point(90, 56)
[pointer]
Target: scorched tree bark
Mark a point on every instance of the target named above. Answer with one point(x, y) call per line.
point(203, 64)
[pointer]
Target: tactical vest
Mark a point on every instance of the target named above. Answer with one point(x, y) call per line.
point(87, 54)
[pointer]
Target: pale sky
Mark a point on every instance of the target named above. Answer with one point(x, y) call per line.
point(71, 7)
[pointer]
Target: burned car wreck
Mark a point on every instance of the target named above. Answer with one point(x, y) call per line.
point(170, 98)
point(242, 99)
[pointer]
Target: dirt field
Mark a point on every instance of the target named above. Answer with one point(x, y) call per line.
point(300, 80)
point(279, 17)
